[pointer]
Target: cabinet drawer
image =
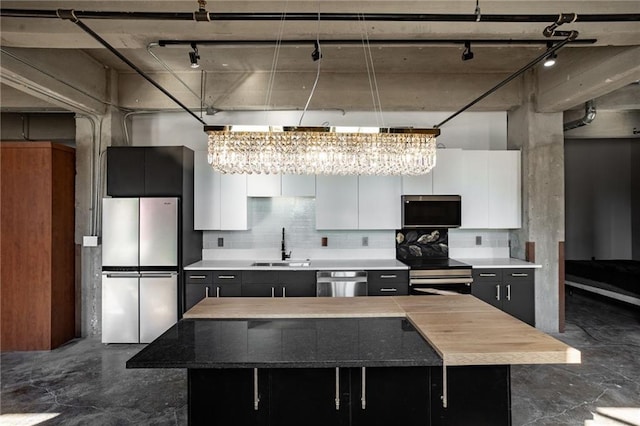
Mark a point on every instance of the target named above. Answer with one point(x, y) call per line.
point(198, 277)
point(518, 275)
point(260, 277)
point(388, 288)
point(226, 277)
point(391, 276)
point(487, 275)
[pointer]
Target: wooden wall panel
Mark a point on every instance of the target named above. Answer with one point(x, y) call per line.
point(28, 275)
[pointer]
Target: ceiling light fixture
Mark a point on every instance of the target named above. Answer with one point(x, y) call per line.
point(467, 54)
point(194, 56)
point(322, 150)
point(550, 60)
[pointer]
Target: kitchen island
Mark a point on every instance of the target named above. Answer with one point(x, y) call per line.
point(396, 360)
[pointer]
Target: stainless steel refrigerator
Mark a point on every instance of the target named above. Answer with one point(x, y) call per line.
point(139, 268)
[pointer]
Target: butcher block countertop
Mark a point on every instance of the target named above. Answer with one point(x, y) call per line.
point(462, 329)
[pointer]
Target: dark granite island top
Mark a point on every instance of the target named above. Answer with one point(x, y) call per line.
point(288, 343)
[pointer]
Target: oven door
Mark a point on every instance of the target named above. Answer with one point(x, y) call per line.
point(439, 289)
point(440, 282)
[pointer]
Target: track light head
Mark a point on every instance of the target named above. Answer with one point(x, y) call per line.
point(467, 54)
point(194, 56)
point(317, 53)
point(550, 60)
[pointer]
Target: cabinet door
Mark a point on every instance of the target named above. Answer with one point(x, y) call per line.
point(336, 202)
point(259, 283)
point(194, 293)
point(163, 171)
point(388, 283)
point(448, 177)
point(519, 297)
point(297, 284)
point(263, 185)
point(125, 171)
point(504, 189)
point(475, 192)
point(305, 396)
point(379, 202)
point(417, 185)
point(226, 290)
point(488, 291)
point(226, 397)
point(206, 201)
point(298, 185)
point(392, 396)
point(233, 202)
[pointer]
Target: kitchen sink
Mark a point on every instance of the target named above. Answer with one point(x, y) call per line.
point(293, 264)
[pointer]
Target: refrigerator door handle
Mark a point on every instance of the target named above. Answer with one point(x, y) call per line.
point(122, 274)
point(158, 274)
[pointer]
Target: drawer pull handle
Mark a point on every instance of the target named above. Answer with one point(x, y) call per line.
point(519, 274)
point(197, 277)
point(487, 275)
point(389, 290)
point(226, 277)
point(388, 276)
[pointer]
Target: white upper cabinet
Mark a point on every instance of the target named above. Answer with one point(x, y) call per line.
point(336, 202)
point(418, 185)
point(298, 185)
point(263, 185)
point(504, 179)
point(379, 202)
point(475, 191)
point(281, 185)
point(220, 201)
point(448, 177)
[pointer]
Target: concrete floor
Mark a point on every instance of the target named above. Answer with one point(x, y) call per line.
point(86, 382)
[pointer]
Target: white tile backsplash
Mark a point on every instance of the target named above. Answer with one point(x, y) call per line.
point(267, 217)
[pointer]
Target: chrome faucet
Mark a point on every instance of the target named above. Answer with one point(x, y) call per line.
point(285, 255)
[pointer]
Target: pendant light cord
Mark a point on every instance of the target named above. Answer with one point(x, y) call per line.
point(274, 62)
point(315, 83)
point(371, 74)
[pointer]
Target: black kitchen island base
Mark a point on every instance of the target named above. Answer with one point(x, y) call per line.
point(476, 395)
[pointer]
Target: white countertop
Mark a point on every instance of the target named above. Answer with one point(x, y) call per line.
point(320, 264)
point(506, 262)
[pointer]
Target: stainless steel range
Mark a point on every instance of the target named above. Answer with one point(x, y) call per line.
point(432, 272)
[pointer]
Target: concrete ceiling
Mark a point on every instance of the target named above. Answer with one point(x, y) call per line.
point(136, 39)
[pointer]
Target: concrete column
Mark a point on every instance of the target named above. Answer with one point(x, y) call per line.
point(540, 137)
point(93, 134)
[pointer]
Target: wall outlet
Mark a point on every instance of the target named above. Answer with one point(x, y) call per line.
point(220, 242)
point(365, 241)
point(324, 242)
point(478, 240)
point(90, 241)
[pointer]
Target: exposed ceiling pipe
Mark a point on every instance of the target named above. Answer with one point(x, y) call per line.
point(199, 15)
point(589, 116)
point(70, 15)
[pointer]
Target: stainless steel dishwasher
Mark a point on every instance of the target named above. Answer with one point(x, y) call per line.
point(341, 283)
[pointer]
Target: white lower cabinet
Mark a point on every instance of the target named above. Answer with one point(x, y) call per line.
point(220, 200)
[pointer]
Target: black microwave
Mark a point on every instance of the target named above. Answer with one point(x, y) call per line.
point(431, 211)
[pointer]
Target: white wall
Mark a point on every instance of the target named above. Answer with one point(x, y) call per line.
point(598, 198)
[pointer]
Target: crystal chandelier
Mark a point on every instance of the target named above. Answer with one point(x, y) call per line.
point(319, 150)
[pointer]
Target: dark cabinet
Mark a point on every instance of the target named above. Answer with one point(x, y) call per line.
point(261, 283)
point(388, 283)
point(476, 395)
point(201, 284)
point(159, 171)
point(511, 290)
